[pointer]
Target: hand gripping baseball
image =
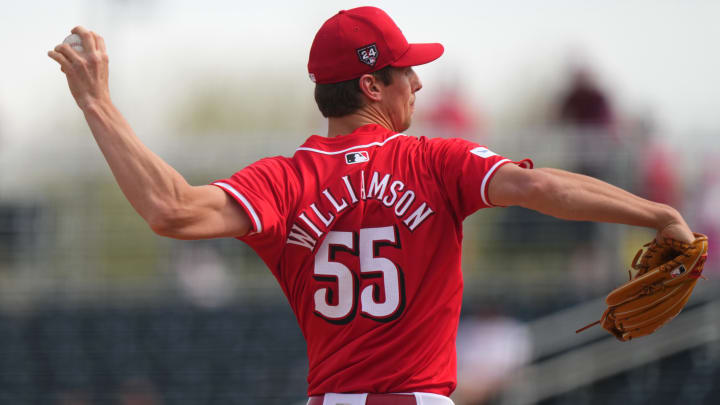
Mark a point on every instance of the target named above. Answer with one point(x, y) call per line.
point(87, 71)
point(667, 271)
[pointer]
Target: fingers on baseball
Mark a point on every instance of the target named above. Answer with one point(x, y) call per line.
point(72, 56)
point(88, 39)
point(99, 42)
point(60, 59)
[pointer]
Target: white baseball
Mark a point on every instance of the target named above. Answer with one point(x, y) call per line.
point(75, 42)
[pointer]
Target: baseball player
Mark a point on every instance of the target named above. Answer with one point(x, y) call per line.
point(362, 228)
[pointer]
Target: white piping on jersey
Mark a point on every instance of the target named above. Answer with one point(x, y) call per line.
point(245, 202)
point(350, 148)
point(487, 177)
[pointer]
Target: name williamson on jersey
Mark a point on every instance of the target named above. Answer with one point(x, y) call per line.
point(393, 194)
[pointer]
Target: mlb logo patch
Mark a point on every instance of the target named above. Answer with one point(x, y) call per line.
point(483, 152)
point(678, 271)
point(368, 55)
point(356, 157)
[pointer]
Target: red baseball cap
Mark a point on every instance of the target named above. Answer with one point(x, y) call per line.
point(363, 40)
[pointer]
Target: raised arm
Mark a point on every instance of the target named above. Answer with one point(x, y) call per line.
point(170, 205)
point(573, 196)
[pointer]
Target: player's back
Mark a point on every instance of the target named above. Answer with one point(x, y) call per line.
point(366, 245)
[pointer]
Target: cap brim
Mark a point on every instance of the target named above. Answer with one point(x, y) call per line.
point(419, 54)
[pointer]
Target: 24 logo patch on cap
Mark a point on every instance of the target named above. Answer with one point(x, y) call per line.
point(368, 55)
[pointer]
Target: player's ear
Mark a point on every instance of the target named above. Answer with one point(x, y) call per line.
point(371, 87)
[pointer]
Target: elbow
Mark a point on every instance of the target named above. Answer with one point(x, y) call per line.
point(164, 222)
point(160, 225)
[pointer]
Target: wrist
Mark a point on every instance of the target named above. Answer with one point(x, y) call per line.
point(93, 102)
point(673, 226)
point(667, 216)
point(94, 106)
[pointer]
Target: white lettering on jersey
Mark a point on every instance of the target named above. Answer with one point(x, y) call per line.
point(310, 224)
point(326, 221)
point(362, 184)
point(301, 238)
point(401, 209)
point(483, 152)
point(338, 207)
point(353, 199)
point(396, 186)
point(377, 187)
point(418, 216)
point(318, 217)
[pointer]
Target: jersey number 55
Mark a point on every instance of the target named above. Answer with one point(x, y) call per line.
point(366, 245)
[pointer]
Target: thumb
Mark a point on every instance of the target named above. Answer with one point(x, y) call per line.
point(676, 231)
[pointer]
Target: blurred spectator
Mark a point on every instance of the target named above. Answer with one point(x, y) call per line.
point(203, 276)
point(657, 166)
point(585, 104)
point(585, 110)
point(708, 213)
point(659, 179)
point(452, 115)
point(489, 350)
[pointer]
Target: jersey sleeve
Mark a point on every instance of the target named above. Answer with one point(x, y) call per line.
point(266, 190)
point(464, 170)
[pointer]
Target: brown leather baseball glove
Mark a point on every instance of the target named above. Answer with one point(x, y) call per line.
point(666, 275)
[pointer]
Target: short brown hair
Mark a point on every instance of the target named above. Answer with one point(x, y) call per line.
point(343, 98)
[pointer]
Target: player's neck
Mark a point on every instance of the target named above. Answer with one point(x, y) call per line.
point(349, 123)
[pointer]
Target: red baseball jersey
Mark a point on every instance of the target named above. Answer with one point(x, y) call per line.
point(363, 232)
